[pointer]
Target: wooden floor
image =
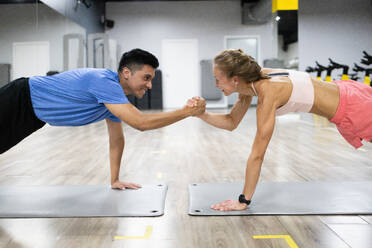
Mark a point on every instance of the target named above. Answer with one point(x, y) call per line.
point(303, 148)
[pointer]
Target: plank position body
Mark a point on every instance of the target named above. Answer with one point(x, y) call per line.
point(346, 103)
point(84, 96)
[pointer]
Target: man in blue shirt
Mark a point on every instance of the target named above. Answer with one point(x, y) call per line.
point(83, 96)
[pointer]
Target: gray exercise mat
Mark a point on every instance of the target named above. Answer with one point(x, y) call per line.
point(286, 198)
point(81, 201)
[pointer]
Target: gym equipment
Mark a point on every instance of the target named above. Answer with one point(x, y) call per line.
point(367, 73)
point(354, 76)
point(367, 59)
point(285, 198)
point(4, 74)
point(81, 201)
point(208, 90)
point(345, 69)
point(329, 70)
point(317, 70)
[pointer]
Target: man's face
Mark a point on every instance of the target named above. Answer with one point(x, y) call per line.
point(140, 80)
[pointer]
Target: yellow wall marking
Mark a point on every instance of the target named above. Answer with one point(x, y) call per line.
point(287, 238)
point(284, 5)
point(160, 175)
point(146, 236)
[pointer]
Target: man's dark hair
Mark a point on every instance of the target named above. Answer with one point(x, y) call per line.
point(135, 60)
point(51, 73)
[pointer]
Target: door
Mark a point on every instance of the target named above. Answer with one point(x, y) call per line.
point(181, 71)
point(73, 51)
point(98, 50)
point(250, 45)
point(30, 59)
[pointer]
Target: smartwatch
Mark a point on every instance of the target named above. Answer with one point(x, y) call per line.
point(243, 200)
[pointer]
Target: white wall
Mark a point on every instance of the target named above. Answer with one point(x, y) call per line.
point(18, 24)
point(145, 24)
point(339, 29)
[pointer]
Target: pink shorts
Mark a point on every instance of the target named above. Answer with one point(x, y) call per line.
point(353, 117)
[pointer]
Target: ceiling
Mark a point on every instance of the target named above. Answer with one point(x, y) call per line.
point(287, 25)
point(33, 1)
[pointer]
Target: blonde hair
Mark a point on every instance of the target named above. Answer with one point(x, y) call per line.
point(234, 62)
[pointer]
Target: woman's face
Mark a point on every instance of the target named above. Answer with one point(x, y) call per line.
point(227, 85)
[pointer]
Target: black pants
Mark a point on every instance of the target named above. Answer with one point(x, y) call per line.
point(17, 117)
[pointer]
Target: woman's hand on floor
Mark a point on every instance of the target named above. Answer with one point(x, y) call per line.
point(125, 185)
point(229, 205)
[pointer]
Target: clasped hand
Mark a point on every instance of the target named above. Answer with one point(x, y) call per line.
point(196, 105)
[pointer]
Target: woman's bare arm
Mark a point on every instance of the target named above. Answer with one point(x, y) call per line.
point(265, 127)
point(229, 121)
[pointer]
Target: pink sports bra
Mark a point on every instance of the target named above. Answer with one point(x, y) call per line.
point(302, 96)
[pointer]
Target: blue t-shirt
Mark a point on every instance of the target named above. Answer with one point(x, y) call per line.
point(77, 97)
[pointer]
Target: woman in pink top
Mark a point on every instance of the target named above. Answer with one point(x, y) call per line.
point(281, 91)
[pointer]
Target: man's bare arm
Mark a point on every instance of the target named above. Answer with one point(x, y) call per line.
point(117, 142)
point(141, 121)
